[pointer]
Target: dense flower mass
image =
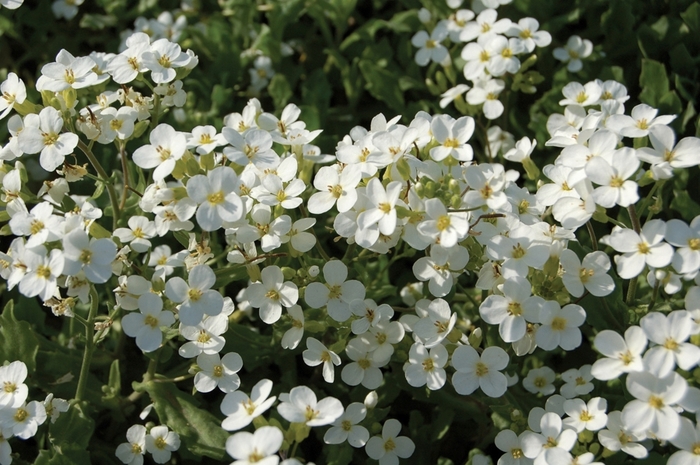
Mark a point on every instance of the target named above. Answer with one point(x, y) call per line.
point(425, 264)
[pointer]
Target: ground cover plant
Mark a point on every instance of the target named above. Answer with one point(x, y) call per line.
point(341, 232)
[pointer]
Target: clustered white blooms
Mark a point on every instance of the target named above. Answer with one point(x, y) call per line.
point(394, 187)
point(18, 417)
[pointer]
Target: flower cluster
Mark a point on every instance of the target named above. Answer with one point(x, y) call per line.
point(494, 271)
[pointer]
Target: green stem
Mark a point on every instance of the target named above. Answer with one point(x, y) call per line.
point(591, 232)
point(634, 218)
point(648, 199)
point(103, 175)
point(125, 170)
point(654, 295)
point(89, 345)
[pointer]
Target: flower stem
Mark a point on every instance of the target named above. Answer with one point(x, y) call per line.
point(591, 232)
point(103, 175)
point(89, 345)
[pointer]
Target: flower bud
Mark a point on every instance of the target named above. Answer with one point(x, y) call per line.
point(371, 400)
point(314, 271)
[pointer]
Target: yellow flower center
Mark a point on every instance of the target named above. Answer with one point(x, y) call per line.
point(20, 415)
point(430, 43)
point(481, 369)
point(164, 61)
point(116, 124)
point(216, 198)
point(218, 371)
point(35, 227)
point(558, 323)
point(9, 387)
point(346, 425)
point(515, 309)
point(443, 223)
point(656, 402)
point(517, 453)
point(160, 443)
point(136, 449)
point(163, 153)
point(428, 364)
point(203, 337)
point(194, 294)
point(389, 445)
point(385, 207)
point(44, 271)
point(151, 321)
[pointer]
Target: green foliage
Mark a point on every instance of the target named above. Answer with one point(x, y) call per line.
point(200, 431)
point(17, 341)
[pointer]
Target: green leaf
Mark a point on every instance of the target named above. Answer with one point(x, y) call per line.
point(254, 348)
point(97, 22)
point(280, 91)
point(654, 82)
point(691, 17)
point(684, 205)
point(670, 103)
point(199, 430)
point(382, 85)
point(72, 428)
point(18, 339)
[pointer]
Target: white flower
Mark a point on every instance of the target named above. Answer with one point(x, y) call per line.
point(686, 258)
point(425, 366)
point(337, 293)
point(526, 30)
point(22, 421)
point(271, 294)
point(430, 48)
point(381, 210)
point(390, 446)
point(165, 148)
point(316, 353)
point(12, 90)
point(218, 372)
point(197, 297)
point(140, 230)
point(131, 453)
point(255, 146)
point(292, 337)
point(511, 310)
point(577, 382)
point(126, 66)
point(560, 326)
point(67, 72)
point(206, 337)
point(46, 137)
point(670, 334)
point(480, 371)
point(510, 443)
point(552, 437)
point(638, 250)
point(302, 407)
point(14, 391)
point(346, 427)
point(442, 226)
point(363, 369)
point(540, 380)
point(300, 240)
point(162, 57)
point(369, 314)
point(591, 273)
point(687, 440)
point(622, 355)
point(484, 25)
point(42, 272)
point(161, 443)
point(335, 186)
point(641, 120)
point(240, 410)
point(486, 92)
point(66, 8)
point(54, 407)
point(259, 447)
point(145, 326)
point(590, 416)
point(616, 438)
point(612, 175)
point(652, 410)
point(93, 256)
point(575, 49)
point(665, 150)
point(437, 324)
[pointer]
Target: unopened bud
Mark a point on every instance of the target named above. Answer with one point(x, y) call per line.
point(371, 400)
point(314, 271)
